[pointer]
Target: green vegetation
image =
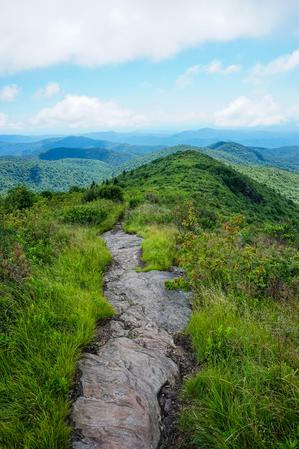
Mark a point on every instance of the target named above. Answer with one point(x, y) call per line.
point(238, 244)
point(50, 175)
point(50, 301)
point(237, 241)
point(19, 198)
point(216, 190)
point(282, 181)
point(244, 330)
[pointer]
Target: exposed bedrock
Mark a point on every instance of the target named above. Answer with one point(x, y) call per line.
point(117, 407)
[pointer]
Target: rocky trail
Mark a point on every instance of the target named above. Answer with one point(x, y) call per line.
point(126, 378)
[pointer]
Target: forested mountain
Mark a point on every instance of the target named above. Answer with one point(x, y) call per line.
point(54, 175)
point(111, 157)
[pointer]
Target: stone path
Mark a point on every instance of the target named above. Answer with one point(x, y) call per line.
point(117, 407)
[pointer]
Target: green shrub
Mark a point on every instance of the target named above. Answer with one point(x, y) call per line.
point(19, 198)
point(90, 215)
point(110, 192)
point(90, 195)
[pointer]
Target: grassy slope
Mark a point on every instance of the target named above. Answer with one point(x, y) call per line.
point(191, 175)
point(244, 274)
point(282, 181)
point(51, 297)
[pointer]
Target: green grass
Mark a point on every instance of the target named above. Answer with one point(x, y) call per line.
point(246, 392)
point(55, 318)
point(51, 298)
point(159, 247)
point(154, 224)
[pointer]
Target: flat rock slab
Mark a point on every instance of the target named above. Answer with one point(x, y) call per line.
point(118, 406)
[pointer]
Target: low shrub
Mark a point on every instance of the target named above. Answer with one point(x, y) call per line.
point(110, 192)
point(19, 198)
point(89, 215)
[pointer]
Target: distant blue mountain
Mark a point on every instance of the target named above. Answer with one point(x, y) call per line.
point(205, 137)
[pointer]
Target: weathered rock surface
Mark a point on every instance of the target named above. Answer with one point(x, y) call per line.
point(118, 406)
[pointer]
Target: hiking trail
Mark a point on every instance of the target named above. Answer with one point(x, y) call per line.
point(133, 358)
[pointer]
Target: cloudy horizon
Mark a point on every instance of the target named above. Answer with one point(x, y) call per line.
point(74, 66)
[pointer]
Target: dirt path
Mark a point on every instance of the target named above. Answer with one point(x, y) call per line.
point(117, 406)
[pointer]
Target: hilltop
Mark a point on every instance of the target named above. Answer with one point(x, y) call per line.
point(213, 186)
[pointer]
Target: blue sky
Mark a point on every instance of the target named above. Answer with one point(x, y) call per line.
point(76, 66)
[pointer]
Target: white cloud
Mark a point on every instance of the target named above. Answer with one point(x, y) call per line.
point(214, 67)
point(284, 63)
point(3, 120)
point(78, 111)
point(35, 34)
point(244, 111)
point(48, 91)
point(7, 124)
point(9, 93)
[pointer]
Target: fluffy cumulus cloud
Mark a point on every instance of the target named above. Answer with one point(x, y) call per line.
point(37, 34)
point(244, 111)
point(9, 93)
point(79, 111)
point(48, 91)
point(284, 63)
point(215, 67)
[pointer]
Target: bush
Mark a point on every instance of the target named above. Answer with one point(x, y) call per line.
point(19, 198)
point(75, 188)
point(47, 194)
point(90, 195)
point(84, 215)
point(111, 192)
point(134, 202)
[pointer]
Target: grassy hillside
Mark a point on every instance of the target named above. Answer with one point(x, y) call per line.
point(51, 270)
point(237, 242)
point(211, 184)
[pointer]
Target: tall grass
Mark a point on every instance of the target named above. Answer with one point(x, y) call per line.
point(55, 317)
point(159, 247)
point(246, 393)
point(154, 223)
point(245, 333)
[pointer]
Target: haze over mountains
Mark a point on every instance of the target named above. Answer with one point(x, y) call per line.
point(57, 162)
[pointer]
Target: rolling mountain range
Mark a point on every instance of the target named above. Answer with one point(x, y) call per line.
point(59, 162)
point(205, 137)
